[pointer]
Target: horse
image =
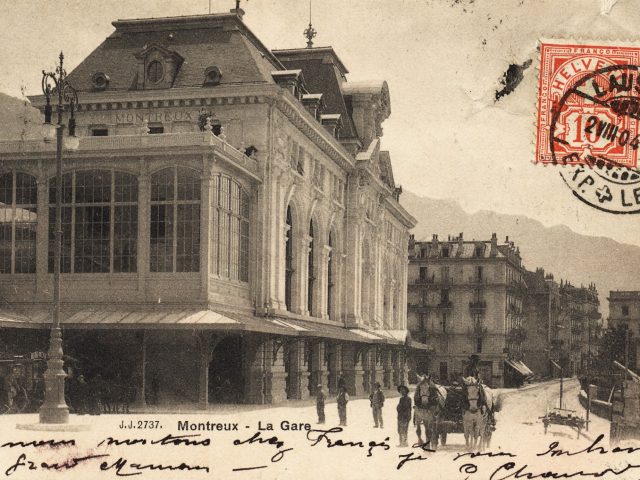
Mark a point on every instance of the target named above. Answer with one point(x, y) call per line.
point(488, 417)
point(473, 416)
point(428, 400)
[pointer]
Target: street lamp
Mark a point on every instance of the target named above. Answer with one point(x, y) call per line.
point(54, 409)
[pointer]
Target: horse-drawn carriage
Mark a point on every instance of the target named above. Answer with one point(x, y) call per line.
point(21, 382)
point(468, 409)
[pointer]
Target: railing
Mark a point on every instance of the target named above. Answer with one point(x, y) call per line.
point(479, 305)
point(517, 335)
point(478, 330)
point(129, 142)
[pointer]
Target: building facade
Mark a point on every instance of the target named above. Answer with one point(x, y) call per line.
point(231, 226)
point(562, 324)
point(465, 298)
point(624, 311)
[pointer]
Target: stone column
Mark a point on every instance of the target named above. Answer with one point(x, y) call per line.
point(301, 255)
point(335, 366)
point(387, 379)
point(206, 343)
point(254, 372)
point(318, 365)
point(42, 241)
point(352, 368)
point(144, 228)
point(298, 371)
point(275, 374)
point(395, 367)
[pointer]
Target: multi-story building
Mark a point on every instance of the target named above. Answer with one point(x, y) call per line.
point(624, 311)
point(232, 228)
point(562, 323)
point(581, 324)
point(465, 298)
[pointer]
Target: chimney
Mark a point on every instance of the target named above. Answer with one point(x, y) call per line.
point(412, 243)
point(434, 244)
point(494, 245)
point(506, 240)
point(460, 245)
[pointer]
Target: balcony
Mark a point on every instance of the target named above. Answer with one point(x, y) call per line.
point(424, 307)
point(444, 305)
point(478, 306)
point(136, 143)
point(478, 330)
point(477, 280)
point(517, 335)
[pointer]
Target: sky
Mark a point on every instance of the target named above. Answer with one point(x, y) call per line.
point(443, 60)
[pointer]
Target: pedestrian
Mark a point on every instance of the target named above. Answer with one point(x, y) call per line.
point(404, 414)
point(377, 402)
point(342, 399)
point(320, 398)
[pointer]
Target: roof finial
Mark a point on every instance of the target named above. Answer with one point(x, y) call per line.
point(310, 32)
point(238, 11)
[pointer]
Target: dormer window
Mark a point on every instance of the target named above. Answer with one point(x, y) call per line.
point(212, 77)
point(155, 71)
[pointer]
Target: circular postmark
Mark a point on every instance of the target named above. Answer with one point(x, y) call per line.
point(594, 133)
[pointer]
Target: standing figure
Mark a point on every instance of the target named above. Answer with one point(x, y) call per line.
point(320, 398)
point(377, 402)
point(404, 414)
point(342, 400)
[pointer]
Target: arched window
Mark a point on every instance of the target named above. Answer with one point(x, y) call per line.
point(175, 220)
point(230, 230)
point(311, 271)
point(288, 262)
point(330, 277)
point(18, 221)
point(99, 222)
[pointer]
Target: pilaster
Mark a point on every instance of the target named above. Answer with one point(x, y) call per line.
point(352, 368)
point(144, 227)
point(298, 371)
point(42, 239)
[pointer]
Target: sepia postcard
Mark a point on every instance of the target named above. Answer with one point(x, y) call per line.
point(324, 239)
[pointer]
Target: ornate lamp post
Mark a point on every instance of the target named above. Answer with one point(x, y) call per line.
point(54, 409)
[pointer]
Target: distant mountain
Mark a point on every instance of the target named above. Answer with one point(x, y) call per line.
point(568, 255)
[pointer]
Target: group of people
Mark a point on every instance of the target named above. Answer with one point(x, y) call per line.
point(98, 394)
point(425, 409)
point(376, 399)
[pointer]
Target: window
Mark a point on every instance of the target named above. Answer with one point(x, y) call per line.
point(230, 230)
point(99, 222)
point(175, 220)
point(444, 321)
point(99, 132)
point(155, 71)
point(330, 277)
point(479, 250)
point(444, 273)
point(423, 273)
point(478, 344)
point(479, 273)
point(444, 296)
point(625, 310)
point(288, 267)
point(445, 252)
point(444, 371)
point(156, 129)
point(311, 271)
point(18, 221)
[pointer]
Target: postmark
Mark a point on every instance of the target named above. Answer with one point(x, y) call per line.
point(588, 122)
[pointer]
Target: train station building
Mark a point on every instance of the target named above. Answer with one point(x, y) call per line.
point(232, 230)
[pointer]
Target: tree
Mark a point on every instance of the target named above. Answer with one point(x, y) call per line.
point(612, 347)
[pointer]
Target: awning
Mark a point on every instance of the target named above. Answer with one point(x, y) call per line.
point(325, 330)
point(420, 346)
point(519, 367)
point(156, 319)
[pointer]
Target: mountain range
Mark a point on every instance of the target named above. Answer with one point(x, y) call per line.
point(568, 255)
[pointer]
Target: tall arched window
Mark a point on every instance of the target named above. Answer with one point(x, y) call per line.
point(288, 261)
point(18, 221)
point(99, 222)
point(175, 220)
point(330, 277)
point(311, 278)
point(229, 230)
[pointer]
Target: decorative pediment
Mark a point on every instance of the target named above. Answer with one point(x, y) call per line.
point(157, 67)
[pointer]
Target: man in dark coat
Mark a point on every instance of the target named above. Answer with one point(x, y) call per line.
point(377, 402)
point(404, 414)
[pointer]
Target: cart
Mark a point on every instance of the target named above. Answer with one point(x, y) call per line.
point(561, 415)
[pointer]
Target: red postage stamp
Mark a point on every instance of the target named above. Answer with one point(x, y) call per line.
point(588, 105)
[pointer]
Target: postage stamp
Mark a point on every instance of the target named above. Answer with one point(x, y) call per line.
point(588, 113)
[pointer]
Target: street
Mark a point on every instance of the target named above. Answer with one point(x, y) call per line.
point(267, 443)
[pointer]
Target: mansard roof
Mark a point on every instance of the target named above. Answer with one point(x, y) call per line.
point(324, 73)
point(203, 41)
